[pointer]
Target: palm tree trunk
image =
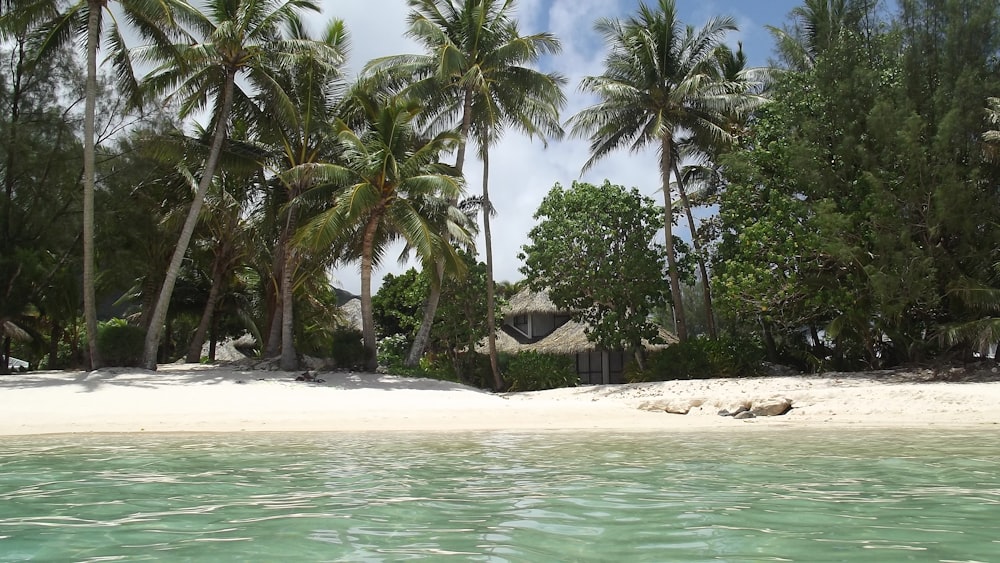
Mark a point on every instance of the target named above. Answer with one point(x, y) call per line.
point(273, 344)
point(434, 295)
point(367, 315)
point(696, 241)
point(163, 303)
point(430, 310)
point(666, 165)
point(15, 116)
point(289, 360)
point(194, 350)
point(491, 321)
point(94, 8)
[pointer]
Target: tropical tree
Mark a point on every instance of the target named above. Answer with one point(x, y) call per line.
point(392, 187)
point(478, 77)
point(660, 78)
point(230, 39)
point(593, 251)
point(296, 125)
point(815, 27)
point(152, 21)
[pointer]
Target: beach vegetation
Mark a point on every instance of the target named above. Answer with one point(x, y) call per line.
point(700, 358)
point(535, 371)
point(863, 193)
point(120, 343)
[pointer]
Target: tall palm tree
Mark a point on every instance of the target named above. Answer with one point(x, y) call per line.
point(705, 147)
point(478, 78)
point(230, 39)
point(660, 78)
point(300, 133)
point(393, 186)
point(153, 22)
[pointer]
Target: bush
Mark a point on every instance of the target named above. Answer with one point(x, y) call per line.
point(700, 358)
point(534, 371)
point(120, 344)
point(349, 349)
point(392, 351)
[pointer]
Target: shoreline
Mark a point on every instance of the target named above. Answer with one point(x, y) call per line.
point(192, 398)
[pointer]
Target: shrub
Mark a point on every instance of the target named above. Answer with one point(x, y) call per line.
point(349, 349)
point(700, 358)
point(120, 344)
point(534, 371)
point(392, 351)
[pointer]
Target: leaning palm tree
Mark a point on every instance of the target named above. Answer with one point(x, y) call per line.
point(153, 22)
point(477, 78)
point(660, 78)
point(230, 39)
point(391, 180)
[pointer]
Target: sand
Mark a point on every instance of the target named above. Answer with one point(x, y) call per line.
point(199, 398)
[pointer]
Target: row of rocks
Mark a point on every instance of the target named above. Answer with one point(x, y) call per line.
point(768, 407)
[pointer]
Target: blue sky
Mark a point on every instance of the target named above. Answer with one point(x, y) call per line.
point(523, 171)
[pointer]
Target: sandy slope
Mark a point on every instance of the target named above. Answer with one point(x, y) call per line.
point(180, 398)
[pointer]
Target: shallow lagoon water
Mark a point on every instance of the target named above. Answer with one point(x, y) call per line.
point(744, 496)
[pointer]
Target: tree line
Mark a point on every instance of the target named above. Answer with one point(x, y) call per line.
point(855, 179)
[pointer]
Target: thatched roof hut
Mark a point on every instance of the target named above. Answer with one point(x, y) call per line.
point(570, 338)
point(526, 302)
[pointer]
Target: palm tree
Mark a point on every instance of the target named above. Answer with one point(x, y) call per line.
point(660, 78)
point(478, 78)
point(816, 26)
point(300, 133)
point(393, 186)
point(152, 21)
point(231, 39)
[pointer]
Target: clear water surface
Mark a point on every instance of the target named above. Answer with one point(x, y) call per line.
point(774, 496)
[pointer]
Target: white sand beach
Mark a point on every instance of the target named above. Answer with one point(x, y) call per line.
point(199, 398)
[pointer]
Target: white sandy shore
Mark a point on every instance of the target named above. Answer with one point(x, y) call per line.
point(189, 398)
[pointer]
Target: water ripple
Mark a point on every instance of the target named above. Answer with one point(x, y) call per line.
point(501, 497)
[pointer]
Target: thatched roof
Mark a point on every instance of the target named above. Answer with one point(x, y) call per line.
point(570, 338)
point(525, 302)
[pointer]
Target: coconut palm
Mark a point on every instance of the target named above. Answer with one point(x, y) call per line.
point(660, 78)
point(393, 186)
point(231, 39)
point(59, 24)
point(816, 25)
point(477, 78)
point(299, 133)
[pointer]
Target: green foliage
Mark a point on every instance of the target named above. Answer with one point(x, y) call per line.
point(392, 351)
point(862, 194)
point(119, 343)
point(700, 358)
point(398, 304)
point(534, 371)
point(460, 322)
point(593, 252)
point(348, 349)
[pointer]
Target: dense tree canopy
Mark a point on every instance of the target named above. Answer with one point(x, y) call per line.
point(593, 252)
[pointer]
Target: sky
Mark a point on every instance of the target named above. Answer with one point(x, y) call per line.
point(522, 171)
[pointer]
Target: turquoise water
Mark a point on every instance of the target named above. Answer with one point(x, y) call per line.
point(774, 496)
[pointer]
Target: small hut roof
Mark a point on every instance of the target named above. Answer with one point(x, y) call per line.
point(525, 302)
point(570, 338)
